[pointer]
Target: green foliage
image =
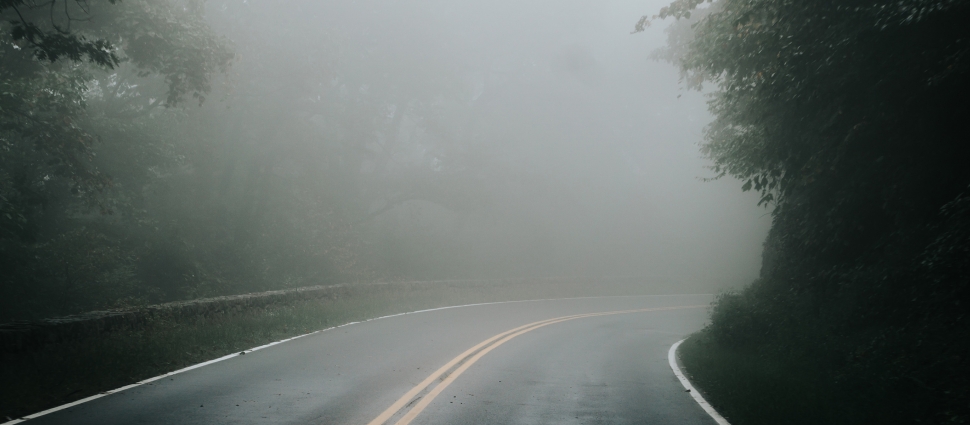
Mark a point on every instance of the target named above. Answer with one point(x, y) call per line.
point(848, 118)
point(60, 246)
point(277, 183)
point(76, 270)
point(50, 41)
point(800, 85)
point(47, 144)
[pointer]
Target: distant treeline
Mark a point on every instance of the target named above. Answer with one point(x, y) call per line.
point(850, 118)
point(145, 157)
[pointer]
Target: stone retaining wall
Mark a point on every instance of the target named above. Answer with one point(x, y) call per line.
point(25, 336)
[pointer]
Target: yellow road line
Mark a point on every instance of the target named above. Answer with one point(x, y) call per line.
point(468, 361)
point(401, 402)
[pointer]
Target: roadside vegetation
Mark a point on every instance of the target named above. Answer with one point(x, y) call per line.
point(849, 118)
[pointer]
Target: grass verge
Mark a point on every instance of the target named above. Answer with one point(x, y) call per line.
point(61, 373)
point(751, 386)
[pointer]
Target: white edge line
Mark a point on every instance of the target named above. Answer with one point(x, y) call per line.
point(229, 356)
point(672, 358)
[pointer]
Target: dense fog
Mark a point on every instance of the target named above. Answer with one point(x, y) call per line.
point(493, 138)
point(185, 179)
point(260, 145)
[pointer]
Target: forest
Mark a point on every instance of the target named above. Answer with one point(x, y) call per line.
point(157, 151)
point(163, 150)
point(848, 118)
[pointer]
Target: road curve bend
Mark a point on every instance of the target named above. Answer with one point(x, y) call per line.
point(580, 360)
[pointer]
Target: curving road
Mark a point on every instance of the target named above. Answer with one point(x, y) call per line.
point(504, 363)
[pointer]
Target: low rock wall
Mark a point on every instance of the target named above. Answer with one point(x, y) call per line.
point(19, 337)
point(24, 336)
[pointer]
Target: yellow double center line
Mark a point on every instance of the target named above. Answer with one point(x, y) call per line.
point(468, 358)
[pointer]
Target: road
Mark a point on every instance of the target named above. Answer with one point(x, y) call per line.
point(425, 368)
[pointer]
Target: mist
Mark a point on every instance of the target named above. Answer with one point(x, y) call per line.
point(777, 188)
point(261, 146)
point(492, 139)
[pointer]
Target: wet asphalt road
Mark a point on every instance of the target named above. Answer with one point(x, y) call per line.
point(596, 370)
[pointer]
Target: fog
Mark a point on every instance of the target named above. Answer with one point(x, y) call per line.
point(490, 139)
point(185, 179)
point(226, 147)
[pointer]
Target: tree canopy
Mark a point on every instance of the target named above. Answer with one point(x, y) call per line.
point(56, 59)
point(51, 51)
point(848, 117)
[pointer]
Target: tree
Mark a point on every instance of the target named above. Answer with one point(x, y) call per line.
point(55, 57)
point(844, 116)
point(43, 100)
point(848, 118)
